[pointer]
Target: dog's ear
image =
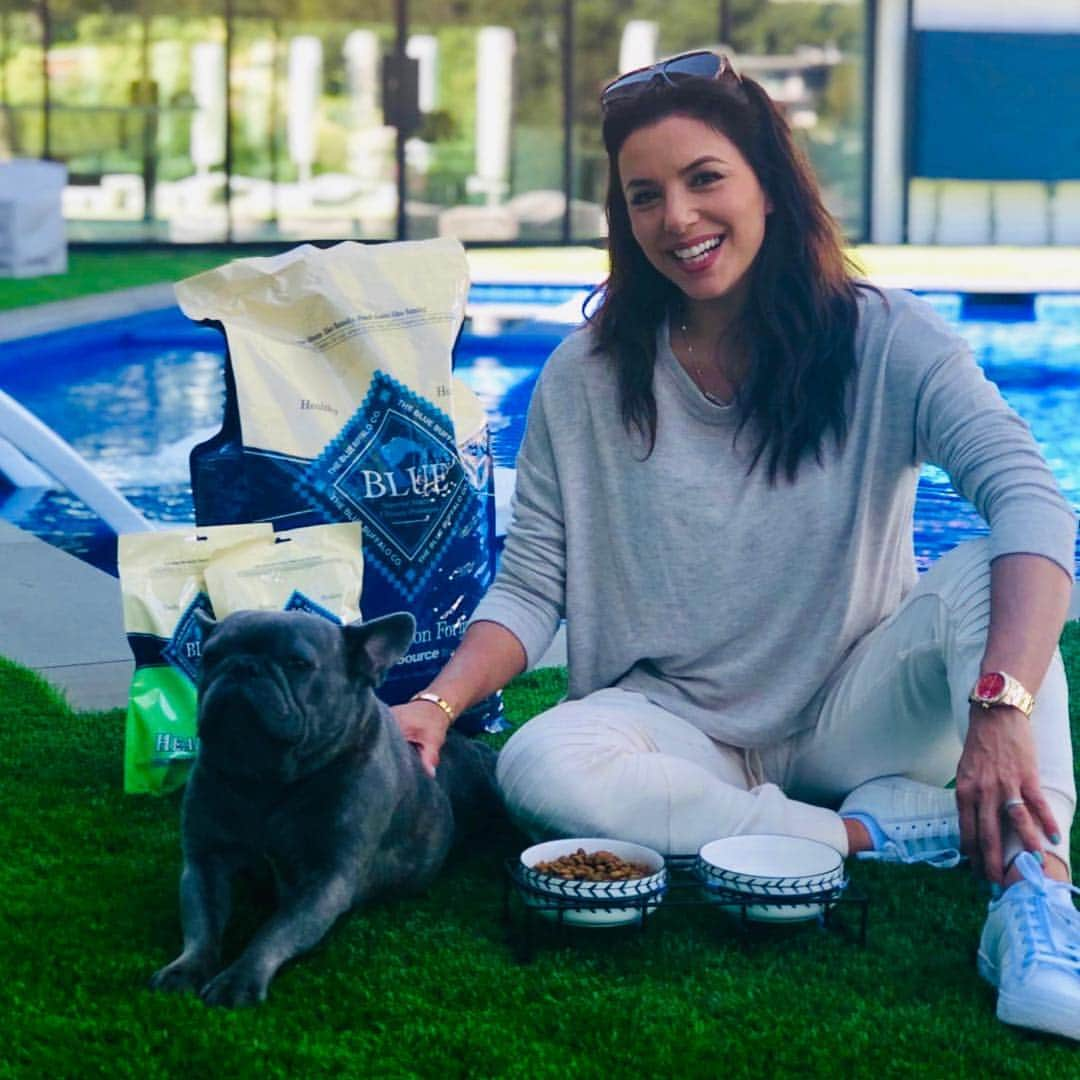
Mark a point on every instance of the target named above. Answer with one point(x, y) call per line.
point(374, 647)
point(207, 623)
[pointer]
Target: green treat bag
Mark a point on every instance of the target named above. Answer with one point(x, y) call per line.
point(163, 585)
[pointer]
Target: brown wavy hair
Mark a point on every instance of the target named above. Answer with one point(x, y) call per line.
point(800, 318)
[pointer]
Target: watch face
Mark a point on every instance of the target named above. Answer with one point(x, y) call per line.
point(990, 686)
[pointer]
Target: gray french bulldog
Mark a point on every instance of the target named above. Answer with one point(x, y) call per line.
point(300, 764)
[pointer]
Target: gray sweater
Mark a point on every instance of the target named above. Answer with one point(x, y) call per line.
point(718, 597)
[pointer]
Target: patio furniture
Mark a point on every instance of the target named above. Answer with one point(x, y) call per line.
point(32, 236)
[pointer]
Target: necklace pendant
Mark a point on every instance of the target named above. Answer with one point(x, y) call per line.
point(698, 374)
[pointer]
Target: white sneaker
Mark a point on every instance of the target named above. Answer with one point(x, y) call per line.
point(1030, 950)
point(920, 823)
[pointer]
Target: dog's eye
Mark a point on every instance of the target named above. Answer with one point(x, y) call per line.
point(298, 663)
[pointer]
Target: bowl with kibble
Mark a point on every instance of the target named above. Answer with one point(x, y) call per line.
point(592, 881)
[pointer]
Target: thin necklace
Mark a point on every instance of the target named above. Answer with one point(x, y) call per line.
point(697, 368)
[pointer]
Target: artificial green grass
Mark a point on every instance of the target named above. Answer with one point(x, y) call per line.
point(427, 986)
point(92, 272)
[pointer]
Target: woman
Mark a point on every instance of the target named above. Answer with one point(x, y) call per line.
point(716, 490)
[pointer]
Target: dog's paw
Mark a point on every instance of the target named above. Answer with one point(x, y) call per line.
point(235, 987)
point(179, 977)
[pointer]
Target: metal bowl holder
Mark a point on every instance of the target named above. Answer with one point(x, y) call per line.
point(684, 888)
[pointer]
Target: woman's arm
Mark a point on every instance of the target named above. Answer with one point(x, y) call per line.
point(488, 657)
point(963, 424)
point(1029, 595)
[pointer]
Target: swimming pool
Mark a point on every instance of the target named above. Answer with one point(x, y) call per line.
point(133, 395)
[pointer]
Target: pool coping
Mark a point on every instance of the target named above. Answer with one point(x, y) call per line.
point(971, 270)
point(37, 319)
point(79, 647)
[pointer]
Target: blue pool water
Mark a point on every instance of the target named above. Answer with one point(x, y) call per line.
point(133, 395)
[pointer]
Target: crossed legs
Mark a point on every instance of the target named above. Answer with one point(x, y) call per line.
point(615, 764)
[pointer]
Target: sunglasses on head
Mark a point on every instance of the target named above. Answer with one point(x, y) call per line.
point(700, 64)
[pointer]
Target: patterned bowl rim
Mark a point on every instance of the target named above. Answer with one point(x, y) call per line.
point(629, 889)
point(828, 876)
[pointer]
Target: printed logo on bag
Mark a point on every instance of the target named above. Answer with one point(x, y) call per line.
point(394, 466)
point(184, 650)
point(299, 602)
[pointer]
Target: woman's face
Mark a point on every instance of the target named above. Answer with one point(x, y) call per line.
point(695, 205)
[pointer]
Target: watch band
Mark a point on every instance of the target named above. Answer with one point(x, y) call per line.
point(1000, 688)
point(442, 703)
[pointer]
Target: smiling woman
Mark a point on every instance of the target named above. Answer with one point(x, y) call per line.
point(690, 191)
point(767, 310)
point(698, 212)
point(716, 490)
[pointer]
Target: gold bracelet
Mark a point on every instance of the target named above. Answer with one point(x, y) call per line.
point(427, 695)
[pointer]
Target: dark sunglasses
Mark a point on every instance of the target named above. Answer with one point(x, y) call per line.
point(700, 64)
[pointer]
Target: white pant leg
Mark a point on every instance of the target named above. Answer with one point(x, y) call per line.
point(615, 765)
point(898, 705)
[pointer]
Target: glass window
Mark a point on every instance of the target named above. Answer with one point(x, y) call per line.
point(487, 161)
point(142, 111)
point(22, 83)
point(119, 113)
point(107, 112)
point(186, 59)
point(313, 157)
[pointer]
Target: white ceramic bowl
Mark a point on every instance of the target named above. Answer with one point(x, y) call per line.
point(607, 903)
point(782, 868)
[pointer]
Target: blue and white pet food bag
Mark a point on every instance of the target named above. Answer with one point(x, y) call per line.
point(341, 406)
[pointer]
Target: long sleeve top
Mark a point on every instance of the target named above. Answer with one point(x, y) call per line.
point(718, 596)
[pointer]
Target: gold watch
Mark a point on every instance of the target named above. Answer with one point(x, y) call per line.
point(1000, 688)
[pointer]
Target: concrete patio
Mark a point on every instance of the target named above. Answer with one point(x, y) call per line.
point(63, 619)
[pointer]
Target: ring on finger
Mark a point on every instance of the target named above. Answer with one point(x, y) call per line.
point(1008, 804)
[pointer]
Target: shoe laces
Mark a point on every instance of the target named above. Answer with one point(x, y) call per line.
point(943, 858)
point(1047, 922)
point(928, 842)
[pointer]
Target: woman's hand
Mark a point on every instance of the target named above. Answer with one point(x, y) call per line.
point(488, 657)
point(998, 765)
point(424, 725)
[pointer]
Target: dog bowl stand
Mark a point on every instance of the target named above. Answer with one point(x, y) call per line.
point(524, 905)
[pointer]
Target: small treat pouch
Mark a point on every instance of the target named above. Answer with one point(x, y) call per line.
point(318, 569)
point(163, 585)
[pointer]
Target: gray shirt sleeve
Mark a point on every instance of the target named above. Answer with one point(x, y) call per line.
point(964, 426)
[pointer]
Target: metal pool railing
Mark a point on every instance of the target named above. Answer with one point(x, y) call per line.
point(38, 445)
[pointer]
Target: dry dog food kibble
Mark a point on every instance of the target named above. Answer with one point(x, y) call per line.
point(594, 866)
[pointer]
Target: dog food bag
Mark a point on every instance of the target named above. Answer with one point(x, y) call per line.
point(163, 585)
point(318, 569)
point(340, 405)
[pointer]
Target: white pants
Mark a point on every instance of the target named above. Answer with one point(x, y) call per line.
point(613, 764)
